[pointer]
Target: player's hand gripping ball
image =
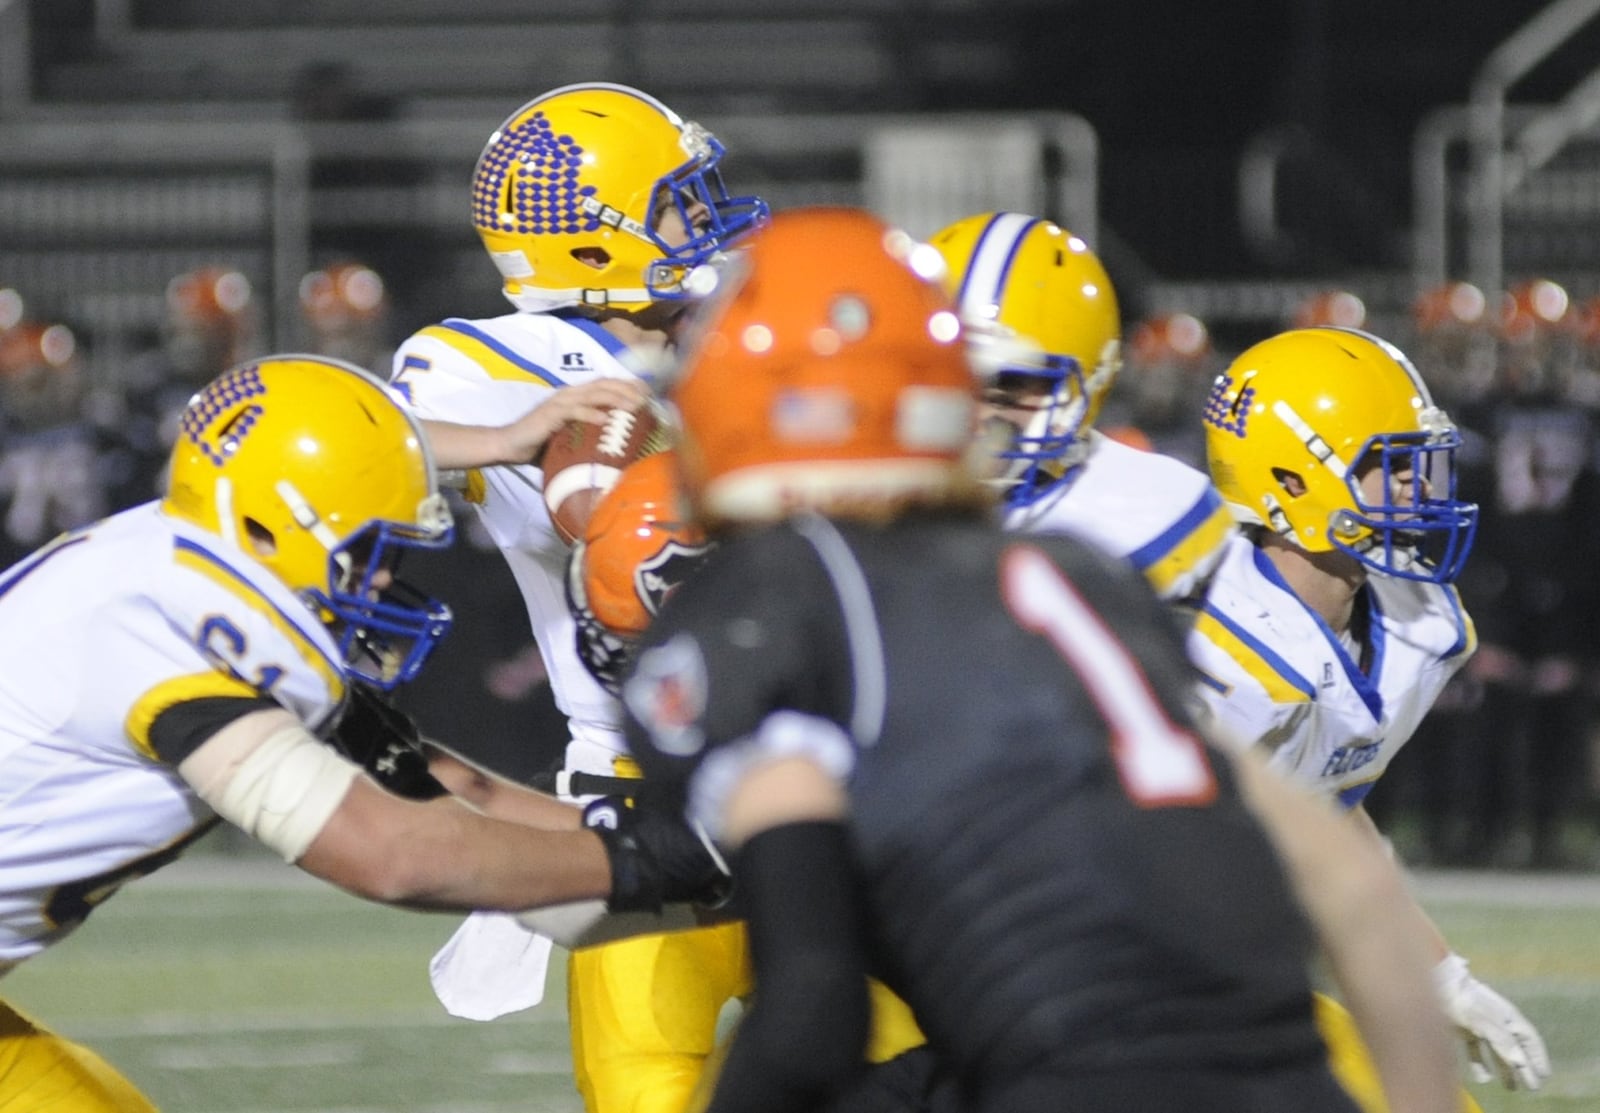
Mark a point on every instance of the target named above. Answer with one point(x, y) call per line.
point(583, 459)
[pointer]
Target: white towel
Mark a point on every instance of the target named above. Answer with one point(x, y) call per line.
point(491, 966)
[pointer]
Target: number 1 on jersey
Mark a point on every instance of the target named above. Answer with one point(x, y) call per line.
point(1161, 763)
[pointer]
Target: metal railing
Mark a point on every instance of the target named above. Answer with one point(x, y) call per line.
point(75, 186)
point(1506, 143)
point(106, 185)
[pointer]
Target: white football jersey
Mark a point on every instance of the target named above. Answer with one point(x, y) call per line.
point(105, 628)
point(491, 372)
point(1157, 512)
point(1275, 675)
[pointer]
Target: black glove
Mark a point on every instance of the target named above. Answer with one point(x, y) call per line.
point(655, 857)
point(384, 741)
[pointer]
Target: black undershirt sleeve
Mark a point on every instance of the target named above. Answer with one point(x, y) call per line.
point(178, 731)
point(805, 1035)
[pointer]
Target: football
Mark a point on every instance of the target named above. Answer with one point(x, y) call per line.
point(582, 461)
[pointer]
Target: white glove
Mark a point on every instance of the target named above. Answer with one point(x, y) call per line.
point(1500, 1040)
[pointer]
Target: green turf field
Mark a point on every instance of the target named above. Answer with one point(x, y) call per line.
point(225, 987)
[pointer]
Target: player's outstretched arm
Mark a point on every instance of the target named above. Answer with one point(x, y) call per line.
point(266, 774)
point(458, 446)
point(1370, 929)
point(806, 1032)
point(389, 747)
point(1500, 1041)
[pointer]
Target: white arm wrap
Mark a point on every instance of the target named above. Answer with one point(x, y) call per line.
point(279, 785)
point(586, 923)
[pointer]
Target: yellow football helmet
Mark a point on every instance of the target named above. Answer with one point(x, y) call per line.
point(1037, 305)
point(568, 194)
point(1294, 422)
point(310, 466)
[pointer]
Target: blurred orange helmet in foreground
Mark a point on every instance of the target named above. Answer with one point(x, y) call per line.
point(827, 372)
point(638, 547)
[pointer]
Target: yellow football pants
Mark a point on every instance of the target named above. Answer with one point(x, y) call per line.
point(643, 1016)
point(41, 1072)
point(1351, 1062)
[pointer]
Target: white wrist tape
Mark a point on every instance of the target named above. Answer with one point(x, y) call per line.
point(281, 788)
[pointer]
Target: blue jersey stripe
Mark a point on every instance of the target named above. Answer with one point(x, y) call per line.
point(1350, 797)
point(1260, 649)
point(1365, 686)
point(1163, 543)
point(21, 569)
point(596, 332)
point(294, 621)
point(465, 328)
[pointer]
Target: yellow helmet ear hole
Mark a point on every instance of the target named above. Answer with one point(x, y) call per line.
point(1291, 482)
point(261, 539)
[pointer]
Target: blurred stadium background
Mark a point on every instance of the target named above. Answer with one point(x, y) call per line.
point(1225, 160)
point(1243, 164)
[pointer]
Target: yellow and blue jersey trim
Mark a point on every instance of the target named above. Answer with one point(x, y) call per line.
point(1181, 547)
point(1352, 795)
point(1466, 630)
point(181, 689)
point(497, 359)
point(1280, 680)
point(19, 571)
point(190, 554)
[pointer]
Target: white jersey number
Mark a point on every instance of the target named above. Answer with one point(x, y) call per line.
point(1160, 763)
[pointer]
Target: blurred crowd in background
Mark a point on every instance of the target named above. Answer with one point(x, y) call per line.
point(1503, 774)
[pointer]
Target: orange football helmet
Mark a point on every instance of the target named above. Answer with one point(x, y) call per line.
point(210, 321)
point(341, 292)
point(210, 295)
point(12, 310)
point(1533, 309)
point(345, 306)
point(1169, 338)
point(639, 546)
point(1452, 306)
point(41, 376)
point(1331, 308)
point(827, 373)
point(1587, 323)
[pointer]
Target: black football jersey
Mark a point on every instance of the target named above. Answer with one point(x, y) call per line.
point(1060, 874)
